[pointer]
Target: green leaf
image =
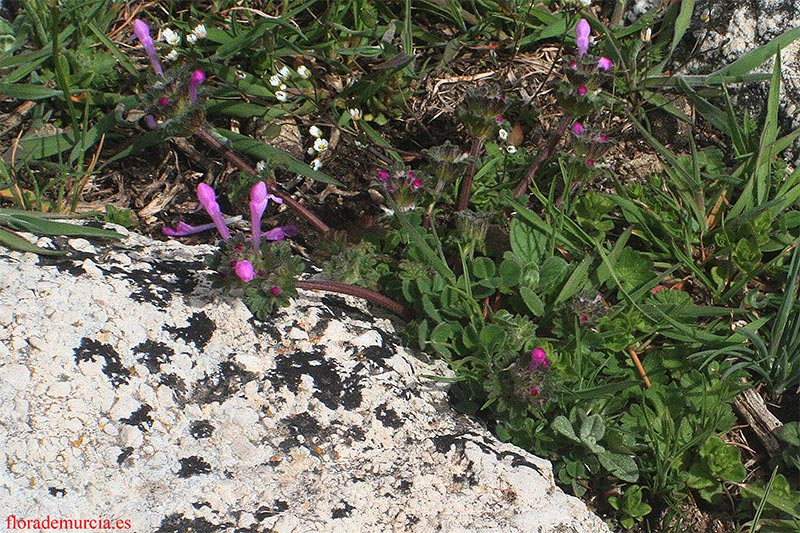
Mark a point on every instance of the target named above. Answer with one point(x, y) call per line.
point(39, 226)
point(622, 467)
point(532, 301)
point(755, 58)
point(483, 267)
point(562, 425)
point(16, 242)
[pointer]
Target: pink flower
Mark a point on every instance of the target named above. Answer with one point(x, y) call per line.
point(383, 175)
point(582, 31)
point(182, 228)
point(281, 232)
point(142, 32)
point(198, 77)
point(208, 199)
point(538, 359)
point(417, 183)
point(577, 129)
point(245, 271)
point(259, 198)
point(582, 90)
point(275, 291)
point(604, 63)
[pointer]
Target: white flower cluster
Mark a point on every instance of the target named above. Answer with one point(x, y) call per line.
point(199, 32)
point(320, 145)
point(279, 80)
point(173, 38)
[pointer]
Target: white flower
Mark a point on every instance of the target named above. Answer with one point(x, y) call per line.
point(315, 132)
point(172, 55)
point(303, 71)
point(281, 96)
point(511, 149)
point(191, 38)
point(320, 145)
point(282, 86)
point(284, 72)
point(199, 31)
point(316, 164)
point(171, 37)
point(503, 134)
point(355, 113)
point(311, 151)
point(274, 80)
point(586, 3)
point(261, 166)
point(242, 75)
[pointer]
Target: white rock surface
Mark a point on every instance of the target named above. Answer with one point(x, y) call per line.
point(144, 395)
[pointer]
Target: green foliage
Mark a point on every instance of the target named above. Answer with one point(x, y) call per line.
point(717, 462)
point(630, 506)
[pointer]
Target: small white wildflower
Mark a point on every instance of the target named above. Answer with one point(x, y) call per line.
point(191, 38)
point(274, 80)
point(360, 144)
point(172, 55)
point(199, 31)
point(261, 166)
point(315, 132)
point(303, 71)
point(284, 72)
point(171, 37)
point(355, 113)
point(242, 75)
point(316, 164)
point(281, 96)
point(320, 145)
point(511, 149)
point(503, 134)
point(311, 151)
point(646, 35)
point(282, 86)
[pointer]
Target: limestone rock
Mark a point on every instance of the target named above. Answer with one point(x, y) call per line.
point(131, 390)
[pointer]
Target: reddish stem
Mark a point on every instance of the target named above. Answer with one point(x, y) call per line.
point(359, 292)
point(544, 154)
point(234, 158)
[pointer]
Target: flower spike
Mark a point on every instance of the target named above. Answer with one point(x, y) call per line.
point(142, 32)
point(198, 77)
point(208, 199)
point(582, 31)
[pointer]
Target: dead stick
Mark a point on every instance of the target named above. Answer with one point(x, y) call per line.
point(638, 364)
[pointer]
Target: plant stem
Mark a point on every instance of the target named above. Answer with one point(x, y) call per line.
point(638, 364)
point(466, 186)
point(234, 158)
point(544, 154)
point(359, 292)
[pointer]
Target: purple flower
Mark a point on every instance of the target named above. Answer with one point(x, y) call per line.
point(208, 199)
point(281, 232)
point(259, 198)
point(604, 63)
point(245, 271)
point(577, 129)
point(182, 229)
point(275, 291)
point(538, 359)
point(582, 90)
point(417, 183)
point(198, 77)
point(142, 32)
point(383, 175)
point(582, 31)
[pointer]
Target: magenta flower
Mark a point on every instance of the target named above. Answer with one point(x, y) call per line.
point(245, 271)
point(182, 229)
point(281, 232)
point(604, 63)
point(416, 183)
point(198, 77)
point(538, 359)
point(259, 198)
point(577, 129)
point(582, 31)
point(208, 199)
point(383, 175)
point(275, 291)
point(582, 90)
point(142, 32)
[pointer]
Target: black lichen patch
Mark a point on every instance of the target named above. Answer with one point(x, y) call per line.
point(337, 307)
point(343, 511)
point(140, 418)
point(199, 331)
point(388, 416)
point(159, 284)
point(443, 443)
point(405, 486)
point(127, 451)
point(329, 387)
point(177, 523)
point(57, 491)
point(264, 512)
point(192, 466)
point(90, 349)
point(178, 386)
point(377, 354)
point(154, 354)
point(201, 429)
point(222, 385)
point(304, 430)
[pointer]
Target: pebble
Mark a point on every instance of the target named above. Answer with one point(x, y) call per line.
point(18, 376)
